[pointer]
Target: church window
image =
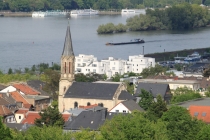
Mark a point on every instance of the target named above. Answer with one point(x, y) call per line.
point(75, 105)
point(88, 104)
point(64, 89)
point(69, 67)
point(65, 67)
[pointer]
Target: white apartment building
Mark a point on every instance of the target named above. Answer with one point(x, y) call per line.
point(111, 66)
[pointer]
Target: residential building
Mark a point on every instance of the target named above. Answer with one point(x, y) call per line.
point(126, 107)
point(7, 115)
point(74, 94)
point(89, 64)
point(200, 112)
point(21, 114)
point(155, 89)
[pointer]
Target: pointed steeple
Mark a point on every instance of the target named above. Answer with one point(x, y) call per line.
point(68, 49)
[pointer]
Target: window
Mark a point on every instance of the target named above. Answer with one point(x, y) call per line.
point(124, 111)
point(94, 70)
point(75, 105)
point(64, 89)
point(113, 68)
point(204, 114)
point(88, 104)
point(69, 67)
point(196, 114)
point(116, 110)
point(137, 65)
point(101, 104)
point(137, 69)
point(78, 60)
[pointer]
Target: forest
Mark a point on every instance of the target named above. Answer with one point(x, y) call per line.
point(43, 5)
point(178, 17)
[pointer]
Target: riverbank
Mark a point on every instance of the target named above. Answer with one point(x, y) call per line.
point(29, 14)
point(170, 55)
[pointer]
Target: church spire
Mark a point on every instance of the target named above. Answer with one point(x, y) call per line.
point(68, 49)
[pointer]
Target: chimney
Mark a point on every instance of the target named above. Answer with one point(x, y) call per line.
point(104, 112)
point(40, 87)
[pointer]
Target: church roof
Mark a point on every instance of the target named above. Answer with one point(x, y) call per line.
point(68, 48)
point(89, 90)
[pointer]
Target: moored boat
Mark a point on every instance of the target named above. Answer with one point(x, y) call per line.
point(85, 12)
point(38, 14)
point(135, 41)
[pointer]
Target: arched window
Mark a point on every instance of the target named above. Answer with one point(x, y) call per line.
point(75, 105)
point(64, 89)
point(88, 104)
point(101, 104)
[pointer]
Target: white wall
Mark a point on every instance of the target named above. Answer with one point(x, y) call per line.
point(120, 108)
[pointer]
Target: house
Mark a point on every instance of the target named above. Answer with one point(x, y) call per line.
point(155, 89)
point(7, 115)
point(30, 117)
point(2, 87)
point(200, 112)
point(74, 94)
point(195, 102)
point(39, 102)
point(38, 86)
point(9, 102)
point(88, 119)
point(126, 107)
point(174, 83)
point(18, 126)
point(21, 114)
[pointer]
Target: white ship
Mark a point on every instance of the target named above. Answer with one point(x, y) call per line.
point(85, 12)
point(38, 14)
point(133, 11)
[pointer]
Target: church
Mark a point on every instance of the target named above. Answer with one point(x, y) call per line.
point(74, 94)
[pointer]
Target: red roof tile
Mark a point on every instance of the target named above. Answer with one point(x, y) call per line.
point(22, 111)
point(66, 117)
point(87, 107)
point(26, 89)
point(18, 97)
point(4, 111)
point(30, 117)
point(200, 112)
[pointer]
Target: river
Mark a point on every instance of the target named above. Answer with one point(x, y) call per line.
point(25, 41)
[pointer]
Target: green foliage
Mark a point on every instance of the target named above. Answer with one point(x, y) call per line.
point(10, 71)
point(130, 87)
point(87, 134)
point(51, 78)
point(151, 71)
point(116, 78)
point(157, 109)
point(50, 117)
point(206, 72)
point(120, 28)
point(44, 133)
point(80, 77)
point(108, 28)
point(179, 124)
point(5, 133)
point(184, 94)
point(6, 78)
point(146, 99)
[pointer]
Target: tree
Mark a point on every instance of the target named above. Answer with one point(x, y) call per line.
point(116, 78)
point(10, 71)
point(151, 71)
point(180, 125)
point(157, 109)
point(146, 99)
point(206, 72)
point(50, 117)
point(5, 133)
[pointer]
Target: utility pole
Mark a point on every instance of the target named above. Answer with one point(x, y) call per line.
point(143, 50)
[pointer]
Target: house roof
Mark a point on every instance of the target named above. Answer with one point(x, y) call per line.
point(124, 95)
point(200, 112)
point(22, 111)
point(87, 107)
point(30, 117)
point(8, 98)
point(2, 87)
point(66, 116)
point(26, 89)
point(18, 97)
point(68, 48)
point(38, 85)
point(91, 90)
point(75, 111)
point(4, 111)
point(132, 105)
point(153, 88)
point(89, 119)
point(18, 126)
point(196, 102)
point(3, 102)
point(36, 98)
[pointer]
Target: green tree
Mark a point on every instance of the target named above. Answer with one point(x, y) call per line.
point(116, 78)
point(146, 99)
point(50, 117)
point(5, 133)
point(206, 72)
point(157, 109)
point(151, 71)
point(10, 71)
point(203, 134)
point(120, 28)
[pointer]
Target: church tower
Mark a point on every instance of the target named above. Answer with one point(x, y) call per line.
point(67, 69)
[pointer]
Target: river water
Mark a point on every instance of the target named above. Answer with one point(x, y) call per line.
point(25, 41)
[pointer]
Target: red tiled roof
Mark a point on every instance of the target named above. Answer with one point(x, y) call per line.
point(26, 89)
point(4, 111)
point(66, 117)
point(28, 106)
point(18, 97)
point(22, 111)
point(30, 117)
point(87, 107)
point(200, 112)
